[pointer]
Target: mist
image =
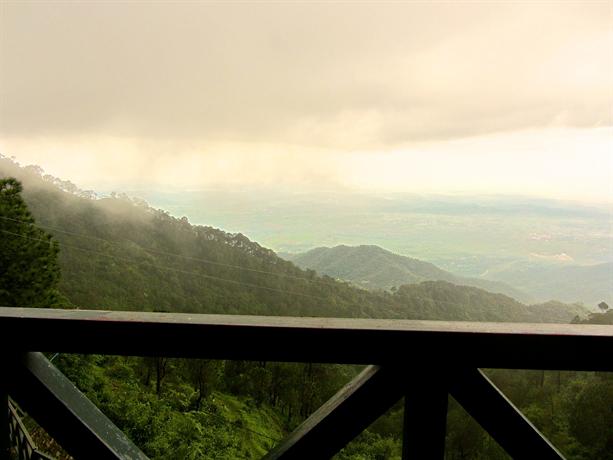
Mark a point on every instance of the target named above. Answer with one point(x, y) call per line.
point(416, 97)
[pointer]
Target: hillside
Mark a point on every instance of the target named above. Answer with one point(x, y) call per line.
point(441, 299)
point(119, 253)
point(565, 282)
point(373, 267)
point(465, 235)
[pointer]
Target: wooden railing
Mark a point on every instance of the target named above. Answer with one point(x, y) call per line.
point(21, 444)
point(422, 361)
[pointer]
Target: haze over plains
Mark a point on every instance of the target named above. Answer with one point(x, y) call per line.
point(430, 97)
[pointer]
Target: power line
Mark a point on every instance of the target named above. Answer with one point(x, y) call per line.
point(115, 244)
point(187, 272)
point(155, 251)
point(257, 286)
point(164, 267)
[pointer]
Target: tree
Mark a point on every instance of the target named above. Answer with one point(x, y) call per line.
point(603, 306)
point(204, 376)
point(591, 417)
point(29, 270)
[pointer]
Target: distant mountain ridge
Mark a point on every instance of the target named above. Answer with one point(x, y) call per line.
point(373, 267)
point(119, 253)
point(564, 282)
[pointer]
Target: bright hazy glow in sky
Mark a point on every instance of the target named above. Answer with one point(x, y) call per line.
point(444, 97)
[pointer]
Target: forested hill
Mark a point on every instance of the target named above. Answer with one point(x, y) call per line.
point(373, 267)
point(119, 253)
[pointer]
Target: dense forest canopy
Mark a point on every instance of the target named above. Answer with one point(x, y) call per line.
point(144, 259)
point(471, 139)
point(117, 252)
point(29, 271)
point(373, 267)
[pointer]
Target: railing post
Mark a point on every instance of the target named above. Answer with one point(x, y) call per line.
point(425, 417)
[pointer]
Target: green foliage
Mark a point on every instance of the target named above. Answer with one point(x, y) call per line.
point(371, 446)
point(466, 235)
point(166, 426)
point(119, 253)
point(372, 267)
point(591, 419)
point(29, 271)
point(442, 300)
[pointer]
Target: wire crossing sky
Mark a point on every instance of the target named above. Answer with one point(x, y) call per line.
point(488, 97)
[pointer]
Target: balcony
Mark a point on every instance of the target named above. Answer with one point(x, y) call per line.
point(422, 361)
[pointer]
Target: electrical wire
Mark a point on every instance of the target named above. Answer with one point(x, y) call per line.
point(164, 267)
point(155, 251)
point(192, 273)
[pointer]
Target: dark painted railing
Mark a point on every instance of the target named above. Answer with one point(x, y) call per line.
point(22, 445)
point(422, 361)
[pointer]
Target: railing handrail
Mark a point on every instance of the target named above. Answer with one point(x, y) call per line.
point(207, 319)
point(423, 361)
point(306, 339)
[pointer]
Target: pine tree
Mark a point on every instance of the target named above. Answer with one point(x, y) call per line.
point(29, 270)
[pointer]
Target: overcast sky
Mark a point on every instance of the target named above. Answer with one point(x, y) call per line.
point(478, 96)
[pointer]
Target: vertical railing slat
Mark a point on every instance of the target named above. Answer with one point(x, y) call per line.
point(425, 417)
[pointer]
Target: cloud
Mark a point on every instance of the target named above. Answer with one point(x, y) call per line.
point(323, 76)
point(119, 163)
point(487, 97)
point(559, 163)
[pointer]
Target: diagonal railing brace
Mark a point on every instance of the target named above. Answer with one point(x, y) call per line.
point(499, 417)
point(342, 417)
point(66, 413)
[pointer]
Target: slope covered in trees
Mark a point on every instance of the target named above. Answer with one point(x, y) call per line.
point(373, 267)
point(182, 409)
point(119, 253)
point(29, 272)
